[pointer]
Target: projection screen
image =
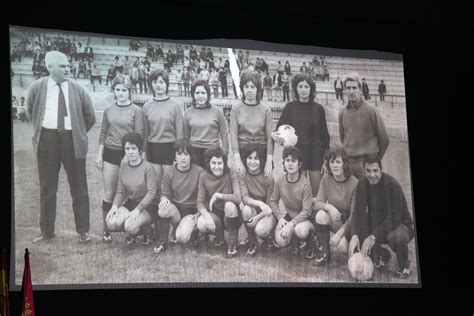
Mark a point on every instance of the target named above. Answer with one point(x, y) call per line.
point(260, 211)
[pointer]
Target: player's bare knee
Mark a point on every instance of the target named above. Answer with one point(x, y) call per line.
point(302, 229)
point(230, 209)
point(247, 212)
point(263, 229)
point(322, 218)
point(201, 224)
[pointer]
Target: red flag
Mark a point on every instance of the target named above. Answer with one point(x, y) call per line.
point(4, 300)
point(28, 307)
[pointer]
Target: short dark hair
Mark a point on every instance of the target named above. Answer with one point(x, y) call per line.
point(312, 85)
point(215, 151)
point(295, 153)
point(255, 78)
point(183, 146)
point(352, 78)
point(158, 73)
point(201, 83)
point(373, 158)
point(337, 151)
point(133, 138)
point(248, 149)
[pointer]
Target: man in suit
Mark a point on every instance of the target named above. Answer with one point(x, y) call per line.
point(62, 113)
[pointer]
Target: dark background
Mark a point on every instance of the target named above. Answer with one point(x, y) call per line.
point(416, 31)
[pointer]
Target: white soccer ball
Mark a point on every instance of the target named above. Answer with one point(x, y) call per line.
point(287, 132)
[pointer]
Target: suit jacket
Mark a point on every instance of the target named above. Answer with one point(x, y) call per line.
point(81, 110)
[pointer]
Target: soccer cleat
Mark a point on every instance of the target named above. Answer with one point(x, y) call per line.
point(84, 238)
point(244, 243)
point(130, 240)
point(42, 238)
point(107, 238)
point(146, 240)
point(383, 259)
point(405, 273)
point(251, 251)
point(309, 254)
point(219, 243)
point(161, 247)
point(321, 258)
point(231, 251)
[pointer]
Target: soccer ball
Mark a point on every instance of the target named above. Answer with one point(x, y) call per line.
point(360, 267)
point(287, 132)
point(185, 228)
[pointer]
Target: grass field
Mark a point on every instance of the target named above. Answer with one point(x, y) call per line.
point(64, 261)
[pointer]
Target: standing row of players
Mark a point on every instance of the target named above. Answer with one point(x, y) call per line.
point(176, 173)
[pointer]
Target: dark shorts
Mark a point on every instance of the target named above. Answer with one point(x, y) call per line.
point(161, 153)
point(185, 211)
point(312, 159)
point(152, 209)
point(198, 157)
point(113, 156)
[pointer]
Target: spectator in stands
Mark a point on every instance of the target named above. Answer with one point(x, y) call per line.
point(210, 54)
point(338, 87)
point(223, 82)
point(193, 55)
point(89, 52)
point(251, 121)
point(382, 90)
point(118, 66)
point(308, 118)
point(267, 86)
point(203, 54)
point(95, 76)
point(240, 57)
point(73, 51)
point(214, 82)
point(277, 86)
point(15, 102)
point(227, 66)
point(82, 68)
point(287, 68)
point(264, 66)
point(110, 74)
point(159, 52)
point(361, 128)
point(163, 124)
point(285, 81)
point(134, 77)
point(142, 77)
point(247, 57)
point(186, 79)
point(258, 65)
point(211, 65)
point(204, 124)
point(381, 216)
point(318, 72)
point(204, 75)
point(150, 52)
point(43, 69)
point(280, 68)
point(119, 118)
point(179, 53)
point(80, 51)
point(186, 51)
point(315, 61)
point(126, 66)
point(365, 89)
point(304, 68)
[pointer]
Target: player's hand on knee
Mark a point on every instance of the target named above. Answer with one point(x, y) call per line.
point(266, 209)
point(353, 244)
point(165, 203)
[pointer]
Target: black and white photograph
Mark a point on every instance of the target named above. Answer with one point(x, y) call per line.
point(139, 163)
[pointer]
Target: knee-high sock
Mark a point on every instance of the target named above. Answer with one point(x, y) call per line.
point(106, 206)
point(252, 235)
point(233, 225)
point(322, 233)
point(164, 224)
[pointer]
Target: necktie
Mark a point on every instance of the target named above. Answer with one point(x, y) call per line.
point(62, 110)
